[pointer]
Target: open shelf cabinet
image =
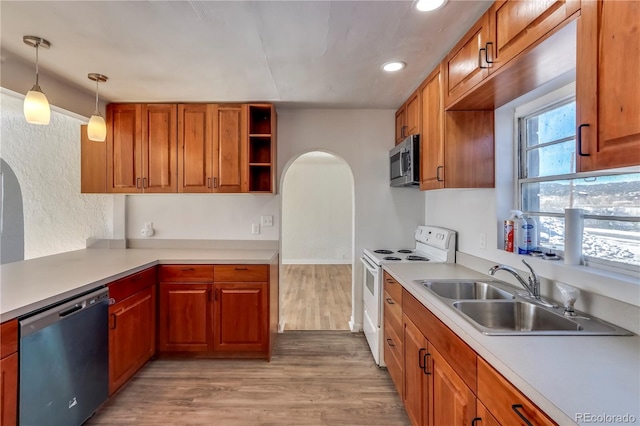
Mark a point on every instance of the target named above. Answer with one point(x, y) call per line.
point(261, 147)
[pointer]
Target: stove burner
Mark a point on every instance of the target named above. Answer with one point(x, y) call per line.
point(405, 251)
point(416, 258)
point(391, 258)
point(383, 251)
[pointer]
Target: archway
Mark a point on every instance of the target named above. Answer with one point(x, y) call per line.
point(317, 232)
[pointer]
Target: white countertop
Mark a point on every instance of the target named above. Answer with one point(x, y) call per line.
point(563, 375)
point(33, 284)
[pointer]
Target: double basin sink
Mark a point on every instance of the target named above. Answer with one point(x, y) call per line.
point(495, 308)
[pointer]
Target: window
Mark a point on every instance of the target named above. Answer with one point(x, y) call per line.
point(548, 183)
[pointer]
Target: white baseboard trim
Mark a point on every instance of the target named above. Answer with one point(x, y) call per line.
point(315, 262)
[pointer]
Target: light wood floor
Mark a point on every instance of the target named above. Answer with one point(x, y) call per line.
point(316, 297)
point(314, 378)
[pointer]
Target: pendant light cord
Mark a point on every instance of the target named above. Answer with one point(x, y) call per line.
point(97, 111)
point(37, 48)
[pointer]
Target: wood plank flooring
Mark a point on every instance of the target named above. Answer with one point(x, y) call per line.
point(316, 297)
point(314, 378)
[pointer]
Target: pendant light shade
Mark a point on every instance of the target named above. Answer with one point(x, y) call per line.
point(36, 105)
point(97, 129)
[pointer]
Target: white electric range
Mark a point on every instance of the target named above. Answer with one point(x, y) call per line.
point(433, 245)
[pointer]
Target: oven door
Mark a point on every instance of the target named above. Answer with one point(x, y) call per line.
point(371, 290)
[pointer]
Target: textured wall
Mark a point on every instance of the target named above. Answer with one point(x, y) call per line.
point(46, 160)
point(317, 211)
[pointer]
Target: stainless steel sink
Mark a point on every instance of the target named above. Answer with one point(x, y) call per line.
point(515, 316)
point(467, 289)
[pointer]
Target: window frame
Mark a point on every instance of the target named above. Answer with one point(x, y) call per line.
point(550, 101)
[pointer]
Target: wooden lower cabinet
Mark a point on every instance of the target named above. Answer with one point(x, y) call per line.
point(9, 373)
point(508, 405)
point(453, 403)
point(131, 335)
point(241, 317)
point(416, 379)
point(185, 317)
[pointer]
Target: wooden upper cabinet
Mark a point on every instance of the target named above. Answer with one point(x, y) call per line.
point(124, 154)
point(212, 153)
point(516, 25)
point(607, 93)
point(159, 148)
point(401, 128)
point(408, 117)
point(141, 148)
point(432, 136)
point(93, 164)
point(466, 65)
point(195, 147)
point(230, 151)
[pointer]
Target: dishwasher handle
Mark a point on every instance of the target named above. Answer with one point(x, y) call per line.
point(74, 308)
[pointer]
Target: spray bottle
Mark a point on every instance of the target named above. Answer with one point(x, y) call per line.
point(521, 235)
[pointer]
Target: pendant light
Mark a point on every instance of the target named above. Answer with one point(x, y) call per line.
point(97, 130)
point(36, 105)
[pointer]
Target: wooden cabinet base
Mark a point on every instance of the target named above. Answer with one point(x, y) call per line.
point(9, 390)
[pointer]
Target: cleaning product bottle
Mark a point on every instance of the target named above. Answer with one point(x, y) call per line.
point(532, 231)
point(520, 237)
point(509, 233)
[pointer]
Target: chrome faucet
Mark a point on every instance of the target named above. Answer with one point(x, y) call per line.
point(533, 287)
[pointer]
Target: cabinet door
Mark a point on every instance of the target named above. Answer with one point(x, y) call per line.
point(124, 153)
point(453, 403)
point(9, 390)
point(195, 147)
point(230, 149)
point(416, 377)
point(185, 317)
point(401, 128)
point(413, 114)
point(159, 148)
point(516, 25)
point(607, 93)
point(465, 66)
point(131, 336)
point(432, 138)
point(241, 317)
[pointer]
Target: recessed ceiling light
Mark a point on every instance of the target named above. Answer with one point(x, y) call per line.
point(429, 5)
point(393, 66)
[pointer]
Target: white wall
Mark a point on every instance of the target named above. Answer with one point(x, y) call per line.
point(46, 161)
point(384, 216)
point(203, 216)
point(317, 207)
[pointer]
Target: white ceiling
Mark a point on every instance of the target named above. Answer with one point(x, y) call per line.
point(293, 53)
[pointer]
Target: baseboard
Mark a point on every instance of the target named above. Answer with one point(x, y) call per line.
point(315, 262)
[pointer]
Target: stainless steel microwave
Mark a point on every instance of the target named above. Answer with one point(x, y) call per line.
point(404, 162)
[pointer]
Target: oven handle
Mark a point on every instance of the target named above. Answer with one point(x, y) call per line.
point(367, 264)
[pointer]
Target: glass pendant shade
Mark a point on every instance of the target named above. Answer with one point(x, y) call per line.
point(36, 107)
point(97, 129)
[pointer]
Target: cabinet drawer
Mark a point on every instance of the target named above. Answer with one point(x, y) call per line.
point(240, 273)
point(392, 287)
point(504, 401)
point(186, 273)
point(8, 338)
point(392, 314)
point(456, 352)
point(393, 357)
point(128, 286)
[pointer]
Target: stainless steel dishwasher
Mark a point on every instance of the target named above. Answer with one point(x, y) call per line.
point(64, 362)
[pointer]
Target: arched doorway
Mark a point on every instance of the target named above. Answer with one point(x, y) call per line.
point(316, 243)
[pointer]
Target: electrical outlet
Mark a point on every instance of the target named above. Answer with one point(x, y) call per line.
point(483, 241)
point(255, 228)
point(266, 220)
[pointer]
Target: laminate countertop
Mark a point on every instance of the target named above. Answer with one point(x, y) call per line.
point(33, 284)
point(566, 376)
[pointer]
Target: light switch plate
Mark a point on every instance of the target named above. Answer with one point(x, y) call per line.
point(255, 228)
